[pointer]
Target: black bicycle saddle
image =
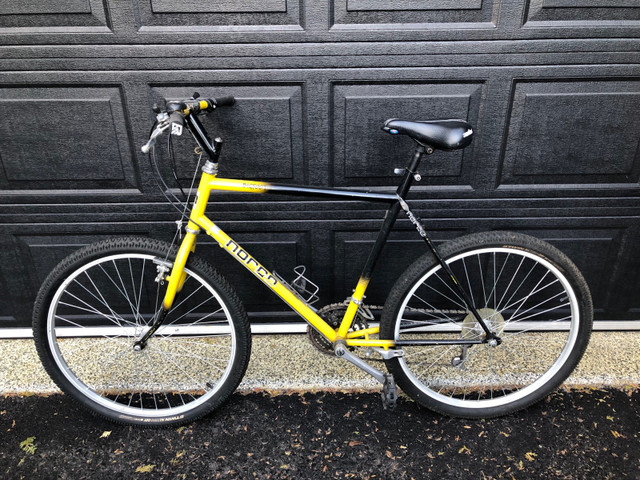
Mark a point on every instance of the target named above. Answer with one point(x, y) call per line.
point(439, 134)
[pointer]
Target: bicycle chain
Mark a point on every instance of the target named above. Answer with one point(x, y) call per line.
point(334, 312)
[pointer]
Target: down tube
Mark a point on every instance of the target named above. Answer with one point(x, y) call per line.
point(251, 264)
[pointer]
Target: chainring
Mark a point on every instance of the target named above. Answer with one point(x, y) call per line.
point(333, 314)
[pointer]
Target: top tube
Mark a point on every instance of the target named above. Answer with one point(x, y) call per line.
point(250, 186)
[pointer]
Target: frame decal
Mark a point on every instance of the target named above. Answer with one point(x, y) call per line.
point(247, 259)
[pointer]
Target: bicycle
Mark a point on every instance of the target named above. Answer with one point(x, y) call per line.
point(145, 332)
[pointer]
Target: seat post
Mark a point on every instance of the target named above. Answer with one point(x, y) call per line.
point(412, 169)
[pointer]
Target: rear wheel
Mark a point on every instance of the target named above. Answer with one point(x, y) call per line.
point(527, 292)
point(98, 302)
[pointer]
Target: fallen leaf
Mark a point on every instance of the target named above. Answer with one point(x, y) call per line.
point(145, 468)
point(28, 445)
point(105, 434)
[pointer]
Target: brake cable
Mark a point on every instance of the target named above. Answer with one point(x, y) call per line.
point(172, 163)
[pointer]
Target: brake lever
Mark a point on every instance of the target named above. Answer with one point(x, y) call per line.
point(156, 133)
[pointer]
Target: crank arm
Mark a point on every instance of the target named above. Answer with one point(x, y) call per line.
point(342, 352)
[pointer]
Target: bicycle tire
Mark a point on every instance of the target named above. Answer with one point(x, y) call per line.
point(526, 290)
point(100, 300)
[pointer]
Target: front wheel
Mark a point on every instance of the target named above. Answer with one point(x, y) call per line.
point(526, 291)
point(98, 302)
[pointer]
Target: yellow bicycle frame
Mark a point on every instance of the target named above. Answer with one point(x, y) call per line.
point(198, 221)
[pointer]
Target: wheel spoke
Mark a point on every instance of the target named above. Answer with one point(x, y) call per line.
point(115, 320)
point(101, 299)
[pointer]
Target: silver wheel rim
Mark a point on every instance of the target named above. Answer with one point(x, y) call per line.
point(207, 335)
point(447, 394)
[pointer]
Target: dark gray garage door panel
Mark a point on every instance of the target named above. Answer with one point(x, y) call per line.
point(589, 132)
point(551, 87)
point(51, 135)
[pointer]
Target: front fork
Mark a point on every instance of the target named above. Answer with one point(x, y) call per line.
point(178, 276)
point(176, 280)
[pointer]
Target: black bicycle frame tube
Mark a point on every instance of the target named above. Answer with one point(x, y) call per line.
point(392, 213)
point(330, 192)
point(200, 135)
point(390, 216)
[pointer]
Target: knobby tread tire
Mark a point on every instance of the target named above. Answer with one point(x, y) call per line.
point(160, 249)
point(477, 241)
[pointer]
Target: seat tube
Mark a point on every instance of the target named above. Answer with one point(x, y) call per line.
point(381, 240)
point(393, 211)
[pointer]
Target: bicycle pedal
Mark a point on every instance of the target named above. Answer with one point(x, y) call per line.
point(389, 393)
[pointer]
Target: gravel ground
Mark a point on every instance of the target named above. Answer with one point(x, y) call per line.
point(579, 434)
point(611, 359)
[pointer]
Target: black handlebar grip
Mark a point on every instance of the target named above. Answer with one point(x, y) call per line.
point(224, 101)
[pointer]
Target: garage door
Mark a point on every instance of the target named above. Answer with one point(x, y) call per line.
point(552, 88)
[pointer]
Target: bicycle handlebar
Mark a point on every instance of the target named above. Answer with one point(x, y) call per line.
point(175, 112)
